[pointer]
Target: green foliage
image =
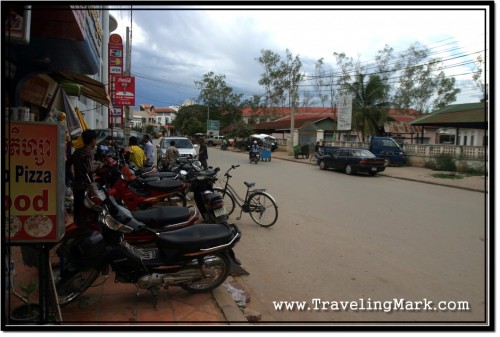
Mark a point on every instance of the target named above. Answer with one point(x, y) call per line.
point(150, 129)
point(369, 104)
point(192, 119)
point(28, 290)
point(442, 162)
point(447, 176)
point(216, 94)
point(242, 130)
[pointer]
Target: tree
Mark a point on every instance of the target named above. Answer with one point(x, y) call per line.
point(321, 81)
point(419, 81)
point(242, 130)
point(270, 78)
point(219, 98)
point(280, 78)
point(477, 75)
point(191, 119)
point(369, 104)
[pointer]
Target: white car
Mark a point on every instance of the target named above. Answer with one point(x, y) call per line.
point(183, 145)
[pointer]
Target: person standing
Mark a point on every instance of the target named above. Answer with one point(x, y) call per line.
point(149, 149)
point(80, 168)
point(172, 154)
point(137, 155)
point(203, 154)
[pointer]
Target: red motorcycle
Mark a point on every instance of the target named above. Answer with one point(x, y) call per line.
point(140, 193)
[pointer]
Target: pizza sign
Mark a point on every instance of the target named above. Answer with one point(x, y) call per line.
point(34, 204)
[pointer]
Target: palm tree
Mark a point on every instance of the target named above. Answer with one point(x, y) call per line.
point(369, 104)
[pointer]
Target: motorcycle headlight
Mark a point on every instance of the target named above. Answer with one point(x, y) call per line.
point(197, 165)
point(115, 225)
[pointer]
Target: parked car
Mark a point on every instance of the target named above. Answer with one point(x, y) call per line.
point(184, 145)
point(118, 136)
point(352, 160)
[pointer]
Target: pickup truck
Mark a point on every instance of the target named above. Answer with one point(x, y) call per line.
point(387, 148)
point(382, 147)
point(214, 141)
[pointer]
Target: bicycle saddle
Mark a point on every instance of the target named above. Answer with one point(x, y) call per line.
point(249, 184)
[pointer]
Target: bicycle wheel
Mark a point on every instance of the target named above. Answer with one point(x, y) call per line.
point(229, 202)
point(262, 209)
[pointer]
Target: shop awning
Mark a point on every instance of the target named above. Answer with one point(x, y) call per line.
point(89, 87)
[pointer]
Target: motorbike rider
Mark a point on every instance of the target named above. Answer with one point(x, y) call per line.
point(254, 149)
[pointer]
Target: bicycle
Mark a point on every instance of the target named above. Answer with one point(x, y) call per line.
point(260, 204)
point(315, 157)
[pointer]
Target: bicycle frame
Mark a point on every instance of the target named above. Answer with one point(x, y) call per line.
point(248, 204)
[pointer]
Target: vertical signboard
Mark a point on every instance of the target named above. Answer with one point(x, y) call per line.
point(115, 68)
point(344, 120)
point(124, 90)
point(34, 182)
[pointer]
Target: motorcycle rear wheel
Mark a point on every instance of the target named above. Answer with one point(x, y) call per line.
point(216, 269)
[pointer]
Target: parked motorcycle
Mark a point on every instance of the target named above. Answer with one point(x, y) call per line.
point(210, 204)
point(197, 258)
point(138, 193)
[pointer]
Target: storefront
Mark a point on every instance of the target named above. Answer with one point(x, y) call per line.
point(51, 54)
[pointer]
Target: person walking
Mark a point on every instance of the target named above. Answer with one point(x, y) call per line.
point(203, 154)
point(80, 168)
point(137, 155)
point(149, 149)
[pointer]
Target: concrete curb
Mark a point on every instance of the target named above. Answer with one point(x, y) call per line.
point(230, 309)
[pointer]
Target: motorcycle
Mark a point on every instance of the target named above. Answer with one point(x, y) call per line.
point(197, 258)
point(210, 204)
point(224, 145)
point(140, 193)
point(254, 157)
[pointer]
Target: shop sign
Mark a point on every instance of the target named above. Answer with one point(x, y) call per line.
point(34, 182)
point(124, 90)
point(116, 70)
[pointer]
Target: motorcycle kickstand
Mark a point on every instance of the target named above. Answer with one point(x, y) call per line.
point(239, 218)
point(155, 291)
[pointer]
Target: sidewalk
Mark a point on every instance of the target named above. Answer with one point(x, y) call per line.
point(124, 304)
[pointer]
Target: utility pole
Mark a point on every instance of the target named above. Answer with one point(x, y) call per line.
point(127, 73)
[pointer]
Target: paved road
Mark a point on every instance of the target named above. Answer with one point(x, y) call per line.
point(362, 239)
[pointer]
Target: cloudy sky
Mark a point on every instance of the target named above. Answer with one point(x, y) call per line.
point(173, 47)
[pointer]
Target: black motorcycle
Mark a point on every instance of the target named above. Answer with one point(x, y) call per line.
point(197, 258)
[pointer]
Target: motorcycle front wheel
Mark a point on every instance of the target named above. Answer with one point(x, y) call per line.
point(69, 285)
point(215, 269)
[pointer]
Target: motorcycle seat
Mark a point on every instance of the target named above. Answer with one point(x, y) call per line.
point(164, 185)
point(161, 175)
point(162, 216)
point(196, 237)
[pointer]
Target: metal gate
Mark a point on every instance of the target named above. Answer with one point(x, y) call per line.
point(307, 134)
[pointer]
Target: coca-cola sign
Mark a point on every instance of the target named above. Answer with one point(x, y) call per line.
point(124, 93)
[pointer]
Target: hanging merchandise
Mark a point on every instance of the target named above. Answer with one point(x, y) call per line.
point(77, 143)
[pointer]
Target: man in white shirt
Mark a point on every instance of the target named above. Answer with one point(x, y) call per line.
point(149, 150)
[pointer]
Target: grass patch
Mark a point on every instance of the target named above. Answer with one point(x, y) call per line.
point(448, 175)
